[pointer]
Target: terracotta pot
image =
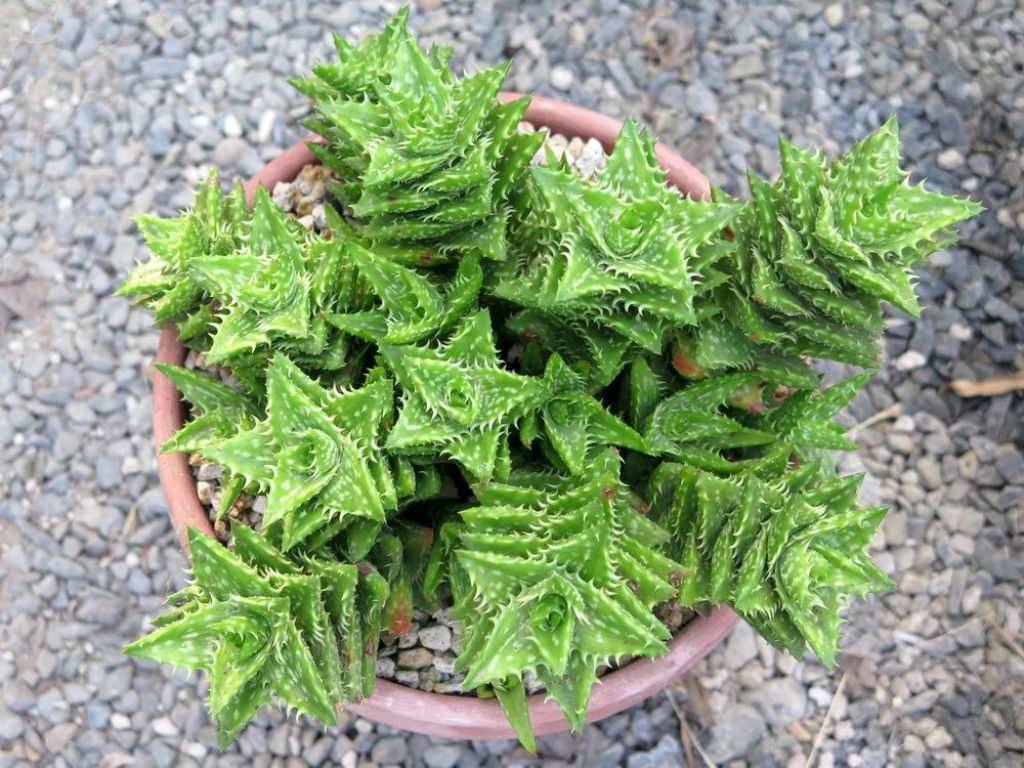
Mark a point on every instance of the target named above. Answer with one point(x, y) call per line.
point(454, 716)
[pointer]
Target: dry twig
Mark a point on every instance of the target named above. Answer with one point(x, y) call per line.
point(997, 385)
point(687, 735)
point(824, 723)
point(893, 411)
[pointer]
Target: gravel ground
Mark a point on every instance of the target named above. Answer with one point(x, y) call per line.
point(109, 108)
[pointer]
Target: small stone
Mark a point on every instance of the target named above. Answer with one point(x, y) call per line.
point(971, 600)
point(163, 726)
point(591, 159)
point(910, 360)
point(834, 15)
point(389, 751)
point(385, 667)
point(930, 472)
point(962, 519)
point(284, 196)
point(25, 223)
point(234, 152)
point(263, 19)
point(960, 332)
point(58, 737)
point(319, 215)
point(1001, 310)
point(209, 472)
point(445, 663)
point(18, 697)
point(1010, 463)
point(783, 700)
point(740, 648)
point(265, 128)
point(11, 727)
point(415, 658)
point(912, 743)
point(938, 738)
point(951, 127)
point(318, 752)
point(410, 638)
point(120, 722)
point(950, 159)
point(232, 127)
point(667, 754)
point(562, 78)
point(700, 100)
point(158, 68)
point(734, 732)
point(981, 164)
point(751, 65)
point(436, 638)
point(408, 677)
point(672, 96)
point(916, 22)
point(441, 756)
point(98, 715)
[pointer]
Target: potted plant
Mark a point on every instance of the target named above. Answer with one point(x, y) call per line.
point(574, 412)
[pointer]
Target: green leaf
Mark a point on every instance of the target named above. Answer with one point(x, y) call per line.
point(205, 392)
point(512, 697)
point(787, 555)
point(547, 570)
point(459, 399)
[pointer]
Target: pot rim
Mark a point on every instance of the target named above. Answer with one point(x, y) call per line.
point(453, 715)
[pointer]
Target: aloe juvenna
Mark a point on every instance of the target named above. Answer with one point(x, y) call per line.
point(552, 403)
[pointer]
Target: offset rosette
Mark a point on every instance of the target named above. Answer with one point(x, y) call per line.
point(427, 159)
point(786, 555)
point(315, 455)
point(613, 262)
point(166, 284)
point(815, 255)
point(558, 576)
point(459, 400)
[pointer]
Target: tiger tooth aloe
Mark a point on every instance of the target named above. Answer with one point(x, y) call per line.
point(266, 281)
point(427, 158)
point(787, 555)
point(411, 306)
point(573, 422)
point(560, 580)
point(217, 409)
point(256, 635)
point(549, 403)
point(459, 401)
point(315, 453)
point(215, 225)
point(818, 252)
point(621, 251)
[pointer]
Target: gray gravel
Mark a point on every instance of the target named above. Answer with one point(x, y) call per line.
point(116, 107)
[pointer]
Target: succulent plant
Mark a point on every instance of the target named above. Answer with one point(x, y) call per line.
point(614, 261)
point(427, 158)
point(261, 626)
point(553, 404)
point(560, 578)
point(459, 401)
point(785, 552)
point(815, 255)
point(315, 455)
point(214, 226)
